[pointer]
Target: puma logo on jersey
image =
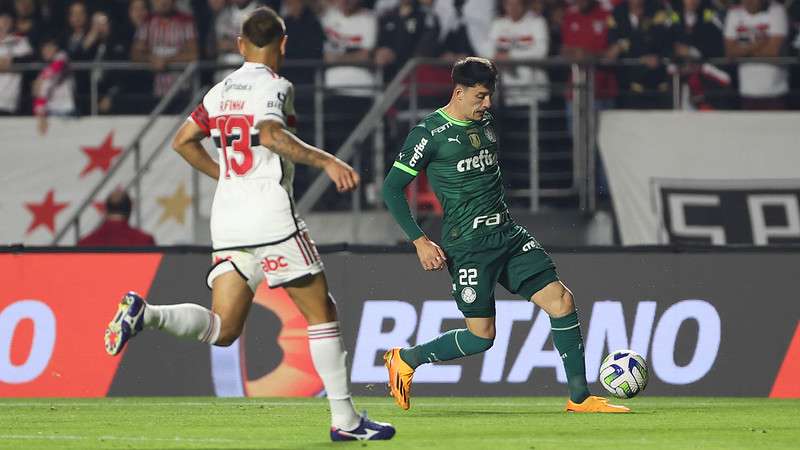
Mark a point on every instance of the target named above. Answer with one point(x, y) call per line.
point(480, 161)
point(418, 152)
point(455, 139)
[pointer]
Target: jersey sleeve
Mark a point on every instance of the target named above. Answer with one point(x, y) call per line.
point(730, 25)
point(416, 152)
point(370, 34)
point(200, 117)
point(274, 102)
point(494, 40)
point(541, 39)
point(778, 21)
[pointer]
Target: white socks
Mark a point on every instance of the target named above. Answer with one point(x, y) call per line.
point(328, 355)
point(186, 320)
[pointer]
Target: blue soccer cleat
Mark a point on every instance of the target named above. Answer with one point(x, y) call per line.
point(367, 430)
point(126, 323)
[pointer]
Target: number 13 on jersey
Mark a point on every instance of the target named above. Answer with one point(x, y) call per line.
point(235, 144)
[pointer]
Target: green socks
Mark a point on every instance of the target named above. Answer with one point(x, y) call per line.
point(459, 343)
point(451, 345)
point(569, 343)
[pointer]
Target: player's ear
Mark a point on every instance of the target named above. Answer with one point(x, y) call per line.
point(283, 44)
point(241, 44)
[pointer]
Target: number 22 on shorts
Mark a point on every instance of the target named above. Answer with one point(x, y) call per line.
point(468, 277)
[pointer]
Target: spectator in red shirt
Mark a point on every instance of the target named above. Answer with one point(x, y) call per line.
point(115, 231)
point(584, 34)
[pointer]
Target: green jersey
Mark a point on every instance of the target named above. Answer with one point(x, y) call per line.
point(460, 159)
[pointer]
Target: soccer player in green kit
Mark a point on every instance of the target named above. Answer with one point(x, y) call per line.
point(481, 245)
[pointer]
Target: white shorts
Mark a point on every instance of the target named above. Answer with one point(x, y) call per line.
point(278, 263)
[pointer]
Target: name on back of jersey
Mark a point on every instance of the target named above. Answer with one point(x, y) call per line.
point(231, 105)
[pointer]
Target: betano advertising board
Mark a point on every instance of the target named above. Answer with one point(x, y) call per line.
point(709, 323)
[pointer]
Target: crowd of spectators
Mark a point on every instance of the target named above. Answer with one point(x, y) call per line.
point(359, 34)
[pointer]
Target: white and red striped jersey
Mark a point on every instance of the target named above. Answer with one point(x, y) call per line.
point(523, 39)
point(759, 79)
point(11, 47)
point(165, 37)
point(253, 204)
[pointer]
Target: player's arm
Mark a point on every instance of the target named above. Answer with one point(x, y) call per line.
point(277, 138)
point(403, 172)
point(187, 144)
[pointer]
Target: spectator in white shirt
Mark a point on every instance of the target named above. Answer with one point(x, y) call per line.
point(12, 48)
point(758, 28)
point(351, 34)
point(519, 35)
point(227, 27)
point(464, 26)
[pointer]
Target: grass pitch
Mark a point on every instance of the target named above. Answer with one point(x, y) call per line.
point(433, 422)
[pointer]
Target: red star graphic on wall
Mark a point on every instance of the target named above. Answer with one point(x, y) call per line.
point(44, 213)
point(102, 156)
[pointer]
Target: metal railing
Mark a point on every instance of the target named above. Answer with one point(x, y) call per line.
point(534, 180)
point(134, 149)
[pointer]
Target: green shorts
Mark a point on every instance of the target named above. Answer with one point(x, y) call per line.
point(511, 257)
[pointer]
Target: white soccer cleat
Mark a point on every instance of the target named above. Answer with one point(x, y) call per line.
point(128, 321)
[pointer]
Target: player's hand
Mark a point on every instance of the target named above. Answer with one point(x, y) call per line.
point(343, 176)
point(431, 256)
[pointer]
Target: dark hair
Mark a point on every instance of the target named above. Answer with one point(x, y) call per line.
point(473, 70)
point(118, 202)
point(263, 27)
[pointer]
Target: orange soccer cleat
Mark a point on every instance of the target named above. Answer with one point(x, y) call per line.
point(400, 375)
point(595, 404)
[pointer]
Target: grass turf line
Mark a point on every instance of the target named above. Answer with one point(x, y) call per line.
point(433, 422)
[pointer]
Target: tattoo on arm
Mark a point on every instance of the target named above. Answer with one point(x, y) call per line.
point(286, 144)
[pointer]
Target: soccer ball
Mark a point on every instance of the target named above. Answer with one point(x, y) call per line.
point(624, 373)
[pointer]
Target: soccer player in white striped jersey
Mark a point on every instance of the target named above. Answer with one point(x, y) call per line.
point(255, 232)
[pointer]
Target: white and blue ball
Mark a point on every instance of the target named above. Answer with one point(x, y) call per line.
point(624, 373)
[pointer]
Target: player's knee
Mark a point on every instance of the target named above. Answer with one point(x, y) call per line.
point(565, 305)
point(555, 299)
